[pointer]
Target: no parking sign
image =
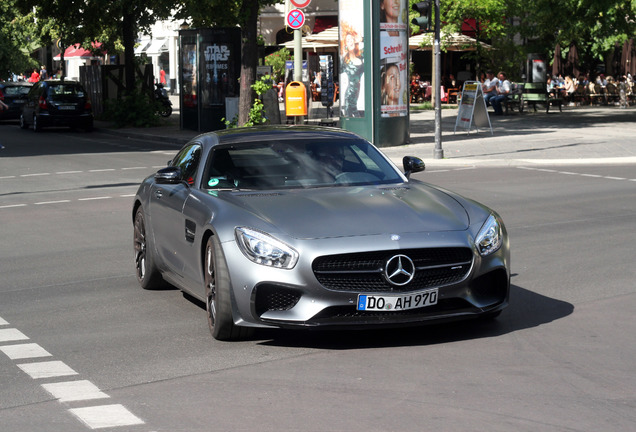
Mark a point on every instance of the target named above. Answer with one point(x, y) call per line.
point(300, 3)
point(295, 19)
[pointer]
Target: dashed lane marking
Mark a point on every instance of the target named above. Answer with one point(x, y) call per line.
point(47, 369)
point(24, 351)
point(94, 417)
point(104, 416)
point(11, 334)
point(597, 176)
point(71, 391)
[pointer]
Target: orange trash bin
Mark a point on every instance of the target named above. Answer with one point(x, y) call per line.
point(296, 99)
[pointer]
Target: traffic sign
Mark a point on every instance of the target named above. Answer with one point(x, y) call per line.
point(300, 3)
point(295, 19)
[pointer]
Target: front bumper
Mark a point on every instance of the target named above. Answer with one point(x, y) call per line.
point(267, 297)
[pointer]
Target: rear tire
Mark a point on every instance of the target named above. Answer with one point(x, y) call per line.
point(36, 125)
point(23, 123)
point(218, 300)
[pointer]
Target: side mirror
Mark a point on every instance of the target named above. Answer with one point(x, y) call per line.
point(412, 165)
point(169, 175)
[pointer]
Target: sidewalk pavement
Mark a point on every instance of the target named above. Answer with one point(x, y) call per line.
point(578, 135)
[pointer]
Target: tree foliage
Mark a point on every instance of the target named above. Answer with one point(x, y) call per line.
point(517, 28)
point(16, 39)
point(230, 13)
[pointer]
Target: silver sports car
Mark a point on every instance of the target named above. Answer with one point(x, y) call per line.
point(309, 227)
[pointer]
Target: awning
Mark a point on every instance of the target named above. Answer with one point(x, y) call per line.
point(449, 42)
point(328, 36)
point(157, 47)
point(77, 52)
point(141, 48)
point(310, 45)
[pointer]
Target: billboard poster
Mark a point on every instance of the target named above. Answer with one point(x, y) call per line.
point(351, 58)
point(218, 73)
point(394, 53)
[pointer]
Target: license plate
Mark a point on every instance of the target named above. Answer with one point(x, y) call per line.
point(66, 107)
point(19, 101)
point(397, 303)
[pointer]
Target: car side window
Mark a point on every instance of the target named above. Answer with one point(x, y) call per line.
point(188, 161)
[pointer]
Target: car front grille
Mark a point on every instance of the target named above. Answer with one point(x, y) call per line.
point(365, 272)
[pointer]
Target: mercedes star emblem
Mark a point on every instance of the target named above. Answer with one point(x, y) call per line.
point(399, 270)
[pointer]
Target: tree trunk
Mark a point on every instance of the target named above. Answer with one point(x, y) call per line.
point(128, 35)
point(249, 58)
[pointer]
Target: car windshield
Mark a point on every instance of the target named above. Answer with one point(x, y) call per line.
point(293, 164)
point(66, 90)
point(16, 91)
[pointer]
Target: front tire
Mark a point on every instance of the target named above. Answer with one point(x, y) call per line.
point(148, 275)
point(165, 111)
point(217, 295)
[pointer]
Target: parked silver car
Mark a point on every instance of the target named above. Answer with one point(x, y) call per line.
point(309, 227)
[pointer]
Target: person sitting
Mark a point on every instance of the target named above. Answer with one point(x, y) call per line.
point(490, 87)
point(503, 89)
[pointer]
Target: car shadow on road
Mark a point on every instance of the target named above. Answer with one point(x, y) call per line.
point(527, 309)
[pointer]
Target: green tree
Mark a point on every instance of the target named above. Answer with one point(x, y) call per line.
point(16, 39)
point(229, 13)
point(114, 23)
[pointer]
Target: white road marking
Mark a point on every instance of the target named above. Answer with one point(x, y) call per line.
point(23, 351)
point(11, 334)
point(13, 206)
point(133, 168)
point(69, 172)
point(101, 170)
point(94, 198)
point(52, 202)
point(106, 416)
point(70, 391)
point(96, 417)
point(577, 174)
point(35, 175)
point(48, 369)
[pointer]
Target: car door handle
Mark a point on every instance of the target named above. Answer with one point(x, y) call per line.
point(158, 194)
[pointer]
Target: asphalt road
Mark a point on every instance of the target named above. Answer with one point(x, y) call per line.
point(560, 358)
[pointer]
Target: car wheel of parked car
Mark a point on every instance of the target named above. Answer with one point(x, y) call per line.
point(217, 293)
point(36, 125)
point(23, 123)
point(148, 275)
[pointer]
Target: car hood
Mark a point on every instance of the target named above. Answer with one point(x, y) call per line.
point(355, 211)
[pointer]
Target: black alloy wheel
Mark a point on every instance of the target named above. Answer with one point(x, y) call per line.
point(148, 275)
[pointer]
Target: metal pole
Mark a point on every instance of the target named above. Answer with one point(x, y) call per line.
point(298, 64)
point(438, 152)
point(298, 56)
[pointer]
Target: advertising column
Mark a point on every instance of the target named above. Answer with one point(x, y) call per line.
point(393, 82)
point(374, 64)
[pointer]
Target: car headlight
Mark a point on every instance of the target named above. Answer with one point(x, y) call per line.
point(490, 237)
point(264, 249)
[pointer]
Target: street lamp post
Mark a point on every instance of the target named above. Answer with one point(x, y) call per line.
point(438, 153)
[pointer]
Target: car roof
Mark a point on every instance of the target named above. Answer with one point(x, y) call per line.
point(276, 132)
point(16, 84)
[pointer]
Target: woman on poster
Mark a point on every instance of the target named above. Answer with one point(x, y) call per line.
point(353, 67)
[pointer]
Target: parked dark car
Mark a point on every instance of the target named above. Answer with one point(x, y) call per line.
point(57, 103)
point(13, 94)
